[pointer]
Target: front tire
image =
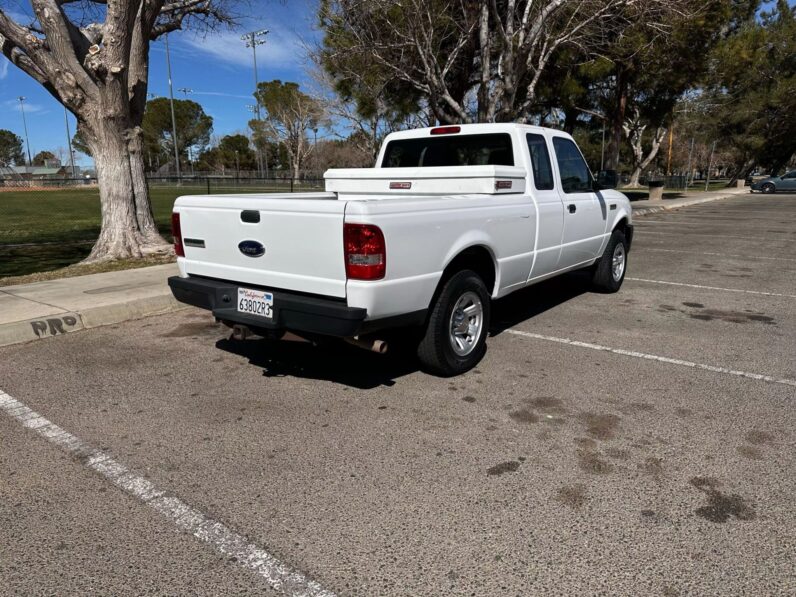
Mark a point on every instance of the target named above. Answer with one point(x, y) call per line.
point(768, 188)
point(609, 271)
point(455, 337)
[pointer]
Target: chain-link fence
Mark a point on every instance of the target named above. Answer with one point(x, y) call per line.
point(48, 224)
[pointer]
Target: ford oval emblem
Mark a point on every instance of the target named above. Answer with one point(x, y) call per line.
point(251, 248)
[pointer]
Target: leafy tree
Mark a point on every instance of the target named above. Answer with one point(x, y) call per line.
point(289, 115)
point(475, 61)
point(10, 149)
point(41, 158)
point(232, 153)
point(93, 57)
point(751, 99)
point(650, 73)
point(193, 128)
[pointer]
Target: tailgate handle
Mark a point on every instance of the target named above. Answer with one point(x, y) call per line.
point(250, 216)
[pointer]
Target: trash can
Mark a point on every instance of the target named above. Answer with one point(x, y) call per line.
point(655, 190)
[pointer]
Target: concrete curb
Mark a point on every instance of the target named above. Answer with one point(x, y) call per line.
point(40, 328)
point(643, 211)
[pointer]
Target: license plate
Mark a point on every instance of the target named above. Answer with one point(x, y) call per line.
point(256, 302)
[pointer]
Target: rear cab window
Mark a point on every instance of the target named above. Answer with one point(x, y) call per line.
point(540, 162)
point(575, 174)
point(450, 150)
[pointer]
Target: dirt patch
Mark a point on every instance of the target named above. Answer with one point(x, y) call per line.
point(618, 453)
point(187, 330)
point(546, 404)
point(593, 463)
point(573, 496)
point(469, 399)
point(750, 452)
point(586, 443)
point(653, 466)
point(524, 416)
point(759, 438)
point(601, 426)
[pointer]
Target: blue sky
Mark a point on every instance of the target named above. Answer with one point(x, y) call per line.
point(217, 67)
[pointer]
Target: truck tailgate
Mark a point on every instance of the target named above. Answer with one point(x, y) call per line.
point(302, 238)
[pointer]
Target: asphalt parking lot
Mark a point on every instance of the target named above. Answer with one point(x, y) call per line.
point(642, 443)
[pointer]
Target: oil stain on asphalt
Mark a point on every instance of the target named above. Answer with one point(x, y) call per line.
point(721, 506)
point(510, 466)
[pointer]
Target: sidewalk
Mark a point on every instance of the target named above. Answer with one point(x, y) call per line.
point(34, 311)
point(644, 207)
point(43, 309)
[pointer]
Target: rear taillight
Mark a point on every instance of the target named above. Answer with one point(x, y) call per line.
point(176, 232)
point(365, 252)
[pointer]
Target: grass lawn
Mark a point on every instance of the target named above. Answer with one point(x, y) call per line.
point(42, 231)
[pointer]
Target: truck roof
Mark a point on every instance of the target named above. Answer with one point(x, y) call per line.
point(480, 128)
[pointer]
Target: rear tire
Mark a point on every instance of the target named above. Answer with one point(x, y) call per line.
point(455, 337)
point(609, 271)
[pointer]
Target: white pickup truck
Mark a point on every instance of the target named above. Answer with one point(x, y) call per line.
point(452, 218)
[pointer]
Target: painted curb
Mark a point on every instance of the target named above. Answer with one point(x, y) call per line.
point(30, 330)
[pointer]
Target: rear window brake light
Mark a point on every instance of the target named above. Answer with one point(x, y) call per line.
point(445, 130)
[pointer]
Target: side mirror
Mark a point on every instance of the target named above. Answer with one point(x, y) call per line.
point(606, 179)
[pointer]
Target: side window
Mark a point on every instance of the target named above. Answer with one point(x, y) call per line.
point(575, 175)
point(790, 174)
point(540, 161)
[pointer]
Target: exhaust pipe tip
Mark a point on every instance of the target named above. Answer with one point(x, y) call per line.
point(240, 332)
point(377, 346)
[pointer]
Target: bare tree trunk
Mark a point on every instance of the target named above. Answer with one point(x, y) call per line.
point(742, 171)
point(640, 162)
point(119, 237)
point(617, 121)
point(148, 230)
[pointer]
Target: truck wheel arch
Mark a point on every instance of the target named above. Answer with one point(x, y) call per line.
point(626, 229)
point(477, 258)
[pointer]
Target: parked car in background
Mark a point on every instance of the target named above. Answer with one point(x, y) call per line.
point(772, 184)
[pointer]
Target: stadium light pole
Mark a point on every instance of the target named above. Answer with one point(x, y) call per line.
point(185, 91)
point(69, 143)
point(22, 99)
point(171, 101)
point(254, 39)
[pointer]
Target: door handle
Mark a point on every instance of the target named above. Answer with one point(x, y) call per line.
point(572, 208)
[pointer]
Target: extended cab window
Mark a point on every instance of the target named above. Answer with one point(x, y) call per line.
point(450, 150)
point(575, 175)
point(540, 162)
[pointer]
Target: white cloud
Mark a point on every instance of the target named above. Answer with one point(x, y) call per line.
point(279, 50)
point(30, 108)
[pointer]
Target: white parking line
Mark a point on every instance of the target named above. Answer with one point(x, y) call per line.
point(642, 230)
point(218, 536)
point(749, 257)
point(760, 292)
point(652, 357)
